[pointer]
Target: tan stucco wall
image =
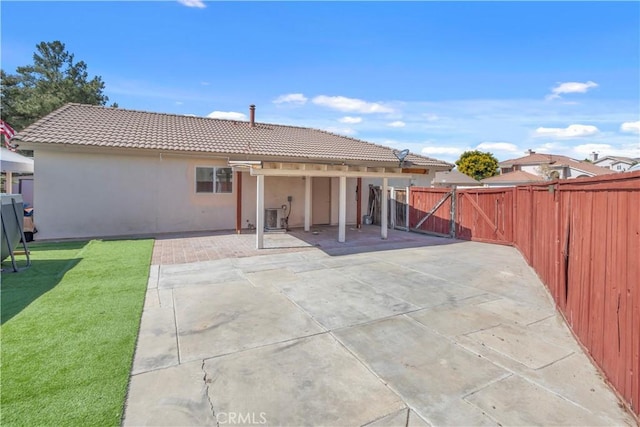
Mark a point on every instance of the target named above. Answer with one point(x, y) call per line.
point(352, 203)
point(108, 192)
point(276, 190)
point(532, 169)
point(111, 194)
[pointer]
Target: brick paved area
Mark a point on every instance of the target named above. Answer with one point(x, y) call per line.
point(210, 246)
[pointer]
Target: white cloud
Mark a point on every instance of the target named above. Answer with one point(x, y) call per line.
point(348, 119)
point(550, 147)
point(571, 131)
point(341, 131)
point(397, 124)
point(631, 127)
point(570, 87)
point(179, 102)
point(498, 146)
point(590, 148)
point(205, 83)
point(291, 98)
point(431, 117)
point(345, 104)
point(442, 150)
point(193, 3)
point(625, 150)
point(228, 115)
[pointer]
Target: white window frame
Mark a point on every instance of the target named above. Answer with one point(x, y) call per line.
point(215, 172)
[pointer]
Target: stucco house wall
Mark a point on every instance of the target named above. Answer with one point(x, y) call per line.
point(620, 166)
point(604, 163)
point(276, 190)
point(613, 164)
point(352, 203)
point(110, 194)
point(533, 169)
point(114, 193)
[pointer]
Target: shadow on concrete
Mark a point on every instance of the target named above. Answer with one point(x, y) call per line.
point(365, 239)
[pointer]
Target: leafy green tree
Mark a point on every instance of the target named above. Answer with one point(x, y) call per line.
point(477, 164)
point(53, 80)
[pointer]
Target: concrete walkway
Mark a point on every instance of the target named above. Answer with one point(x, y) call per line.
point(381, 333)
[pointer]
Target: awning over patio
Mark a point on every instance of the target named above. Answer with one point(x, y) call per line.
point(311, 170)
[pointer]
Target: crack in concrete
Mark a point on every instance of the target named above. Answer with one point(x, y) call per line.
point(206, 393)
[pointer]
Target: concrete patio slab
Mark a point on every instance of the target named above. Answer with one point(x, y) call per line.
point(403, 418)
point(575, 376)
point(226, 318)
point(469, 317)
point(428, 371)
point(157, 346)
point(310, 381)
point(414, 330)
point(521, 345)
point(518, 312)
point(175, 396)
point(515, 402)
point(421, 290)
point(335, 300)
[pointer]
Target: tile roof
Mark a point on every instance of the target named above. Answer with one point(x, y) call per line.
point(555, 160)
point(515, 177)
point(617, 159)
point(89, 125)
point(453, 177)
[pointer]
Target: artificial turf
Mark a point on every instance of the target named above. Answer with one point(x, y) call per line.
point(69, 327)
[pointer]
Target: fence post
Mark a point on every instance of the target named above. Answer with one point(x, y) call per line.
point(407, 211)
point(454, 202)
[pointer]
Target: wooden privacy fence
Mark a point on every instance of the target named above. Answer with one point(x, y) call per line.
point(581, 236)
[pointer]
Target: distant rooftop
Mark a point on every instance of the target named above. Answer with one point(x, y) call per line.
point(554, 160)
point(453, 177)
point(515, 177)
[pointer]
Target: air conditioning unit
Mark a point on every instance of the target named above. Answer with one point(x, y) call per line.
point(273, 218)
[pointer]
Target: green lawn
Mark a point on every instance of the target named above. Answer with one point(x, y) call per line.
point(69, 327)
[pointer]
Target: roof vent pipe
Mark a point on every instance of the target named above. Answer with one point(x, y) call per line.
point(252, 115)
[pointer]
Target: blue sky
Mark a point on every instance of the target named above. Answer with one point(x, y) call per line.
point(435, 77)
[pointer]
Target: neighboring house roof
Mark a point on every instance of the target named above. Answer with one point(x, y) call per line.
point(89, 125)
point(555, 161)
point(616, 159)
point(515, 177)
point(453, 177)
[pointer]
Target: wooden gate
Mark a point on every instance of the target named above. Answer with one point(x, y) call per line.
point(485, 215)
point(430, 210)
